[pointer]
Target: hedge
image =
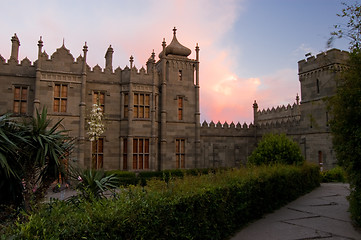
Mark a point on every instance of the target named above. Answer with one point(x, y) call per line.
point(131, 178)
point(211, 206)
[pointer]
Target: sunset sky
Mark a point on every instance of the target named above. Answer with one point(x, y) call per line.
point(249, 49)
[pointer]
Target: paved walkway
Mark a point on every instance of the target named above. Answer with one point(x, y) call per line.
point(321, 214)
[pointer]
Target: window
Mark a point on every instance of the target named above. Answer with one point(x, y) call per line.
point(60, 97)
point(20, 100)
point(97, 153)
point(140, 153)
point(318, 86)
point(180, 75)
point(180, 108)
point(327, 123)
point(125, 154)
point(141, 105)
point(98, 98)
point(126, 104)
point(180, 153)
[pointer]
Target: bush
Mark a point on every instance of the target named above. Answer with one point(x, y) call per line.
point(336, 174)
point(274, 148)
point(209, 206)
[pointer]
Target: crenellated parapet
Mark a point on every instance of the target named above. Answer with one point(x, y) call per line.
point(333, 59)
point(279, 115)
point(12, 67)
point(225, 129)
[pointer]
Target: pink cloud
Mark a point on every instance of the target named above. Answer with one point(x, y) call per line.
point(137, 30)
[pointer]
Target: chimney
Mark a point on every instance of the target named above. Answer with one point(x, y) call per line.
point(109, 58)
point(15, 48)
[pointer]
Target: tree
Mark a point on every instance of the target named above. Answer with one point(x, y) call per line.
point(274, 148)
point(10, 186)
point(31, 157)
point(346, 109)
point(45, 155)
point(352, 29)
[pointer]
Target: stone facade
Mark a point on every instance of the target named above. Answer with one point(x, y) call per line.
point(153, 114)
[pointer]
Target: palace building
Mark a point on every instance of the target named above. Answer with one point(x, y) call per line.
point(152, 115)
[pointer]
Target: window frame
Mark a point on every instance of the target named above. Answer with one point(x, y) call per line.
point(141, 153)
point(141, 105)
point(180, 152)
point(60, 98)
point(180, 107)
point(97, 155)
point(97, 99)
point(20, 100)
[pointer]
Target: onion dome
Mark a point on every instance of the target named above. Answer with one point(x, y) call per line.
point(175, 48)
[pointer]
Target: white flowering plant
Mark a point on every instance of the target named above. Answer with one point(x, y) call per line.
point(96, 123)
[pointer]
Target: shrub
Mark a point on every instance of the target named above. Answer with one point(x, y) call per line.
point(210, 206)
point(274, 148)
point(336, 174)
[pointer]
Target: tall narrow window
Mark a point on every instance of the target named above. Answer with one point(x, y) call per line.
point(180, 108)
point(20, 100)
point(60, 97)
point(320, 160)
point(318, 86)
point(140, 153)
point(98, 153)
point(125, 153)
point(126, 105)
point(180, 75)
point(327, 124)
point(180, 153)
point(141, 105)
point(98, 98)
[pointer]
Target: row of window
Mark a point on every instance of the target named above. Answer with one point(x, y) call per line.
point(140, 153)
point(141, 106)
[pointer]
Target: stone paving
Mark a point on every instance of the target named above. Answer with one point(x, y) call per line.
point(320, 214)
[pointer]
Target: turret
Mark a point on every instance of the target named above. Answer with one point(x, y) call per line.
point(150, 62)
point(109, 58)
point(255, 110)
point(15, 47)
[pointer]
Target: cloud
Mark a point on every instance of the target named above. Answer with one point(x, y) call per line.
point(137, 27)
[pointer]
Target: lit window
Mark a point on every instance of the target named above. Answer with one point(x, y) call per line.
point(180, 153)
point(20, 100)
point(60, 97)
point(98, 98)
point(180, 108)
point(97, 153)
point(180, 75)
point(141, 105)
point(140, 153)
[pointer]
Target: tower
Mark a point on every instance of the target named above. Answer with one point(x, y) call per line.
point(179, 106)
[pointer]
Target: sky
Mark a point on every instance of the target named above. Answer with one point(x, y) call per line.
point(249, 49)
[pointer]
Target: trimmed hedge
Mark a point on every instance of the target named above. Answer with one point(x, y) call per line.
point(209, 206)
point(131, 178)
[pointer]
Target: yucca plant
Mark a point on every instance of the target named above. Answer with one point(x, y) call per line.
point(93, 183)
point(44, 154)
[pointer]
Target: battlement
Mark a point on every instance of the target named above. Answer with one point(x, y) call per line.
point(225, 129)
point(324, 59)
point(13, 67)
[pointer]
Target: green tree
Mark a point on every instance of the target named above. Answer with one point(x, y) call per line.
point(274, 148)
point(10, 186)
point(346, 108)
point(45, 155)
point(31, 156)
point(351, 30)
